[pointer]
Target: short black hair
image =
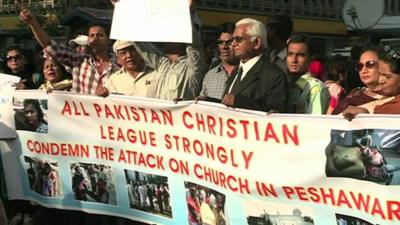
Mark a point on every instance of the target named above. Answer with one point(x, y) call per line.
point(335, 68)
point(392, 57)
point(105, 27)
point(370, 48)
point(282, 24)
point(355, 52)
point(302, 38)
point(226, 27)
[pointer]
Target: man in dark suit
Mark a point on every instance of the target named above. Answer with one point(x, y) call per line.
point(259, 84)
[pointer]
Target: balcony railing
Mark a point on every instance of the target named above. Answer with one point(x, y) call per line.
point(9, 7)
point(324, 9)
point(392, 7)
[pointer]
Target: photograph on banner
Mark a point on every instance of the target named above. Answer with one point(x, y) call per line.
point(369, 154)
point(266, 212)
point(93, 183)
point(148, 193)
point(205, 205)
point(43, 175)
point(350, 220)
point(30, 114)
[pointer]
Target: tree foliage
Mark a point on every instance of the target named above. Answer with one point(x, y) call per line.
point(49, 17)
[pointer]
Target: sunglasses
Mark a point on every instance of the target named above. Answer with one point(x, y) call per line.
point(368, 64)
point(15, 58)
point(224, 42)
point(239, 39)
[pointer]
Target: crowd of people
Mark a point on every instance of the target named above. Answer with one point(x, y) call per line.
point(150, 197)
point(94, 183)
point(205, 205)
point(43, 177)
point(258, 66)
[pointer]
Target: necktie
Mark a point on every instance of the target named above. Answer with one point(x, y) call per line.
point(237, 80)
point(239, 74)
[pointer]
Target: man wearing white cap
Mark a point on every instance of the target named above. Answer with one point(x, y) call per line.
point(182, 66)
point(79, 43)
point(134, 78)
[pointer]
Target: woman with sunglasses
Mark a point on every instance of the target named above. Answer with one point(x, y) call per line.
point(388, 85)
point(16, 62)
point(368, 71)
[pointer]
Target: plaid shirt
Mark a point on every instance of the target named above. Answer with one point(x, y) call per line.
point(85, 77)
point(214, 83)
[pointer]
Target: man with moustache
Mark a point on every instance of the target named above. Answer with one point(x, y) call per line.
point(181, 66)
point(134, 78)
point(215, 80)
point(258, 84)
point(307, 93)
point(88, 71)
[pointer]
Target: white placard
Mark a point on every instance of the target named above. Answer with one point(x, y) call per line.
point(7, 82)
point(152, 21)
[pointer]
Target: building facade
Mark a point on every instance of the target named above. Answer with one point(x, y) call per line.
point(322, 19)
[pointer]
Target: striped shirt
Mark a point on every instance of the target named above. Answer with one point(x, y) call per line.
point(85, 77)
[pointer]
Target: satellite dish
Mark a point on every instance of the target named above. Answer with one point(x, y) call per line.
point(362, 14)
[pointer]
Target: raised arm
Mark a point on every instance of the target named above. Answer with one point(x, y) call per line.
point(60, 53)
point(197, 66)
point(153, 57)
point(40, 34)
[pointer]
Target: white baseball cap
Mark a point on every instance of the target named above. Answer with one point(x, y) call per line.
point(119, 44)
point(80, 40)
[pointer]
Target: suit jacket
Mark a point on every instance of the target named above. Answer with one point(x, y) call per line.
point(263, 88)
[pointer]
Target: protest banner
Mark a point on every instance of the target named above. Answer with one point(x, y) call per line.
point(164, 163)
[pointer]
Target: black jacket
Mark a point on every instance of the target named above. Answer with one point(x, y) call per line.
point(264, 88)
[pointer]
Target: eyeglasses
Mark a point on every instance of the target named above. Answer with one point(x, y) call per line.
point(124, 52)
point(368, 64)
point(224, 42)
point(15, 58)
point(239, 39)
